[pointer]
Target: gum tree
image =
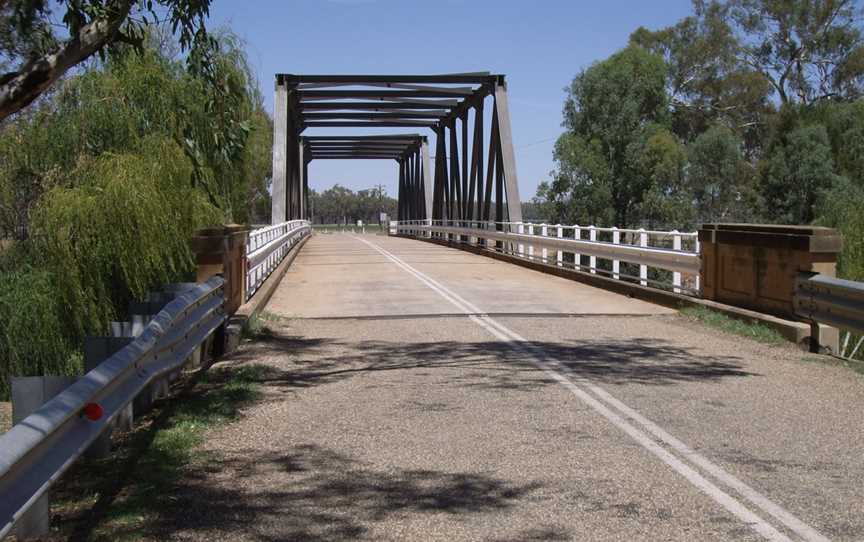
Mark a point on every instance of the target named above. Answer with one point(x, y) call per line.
point(41, 40)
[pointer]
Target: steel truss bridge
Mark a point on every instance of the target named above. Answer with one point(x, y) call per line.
point(474, 172)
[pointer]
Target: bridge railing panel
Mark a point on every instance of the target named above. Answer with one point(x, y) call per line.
point(267, 247)
point(661, 259)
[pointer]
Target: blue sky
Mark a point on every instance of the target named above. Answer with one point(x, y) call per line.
point(539, 45)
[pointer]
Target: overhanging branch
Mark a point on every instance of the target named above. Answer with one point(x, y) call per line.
point(19, 88)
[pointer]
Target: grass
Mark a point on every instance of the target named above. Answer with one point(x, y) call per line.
point(256, 326)
point(851, 364)
point(717, 320)
point(117, 498)
point(5, 416)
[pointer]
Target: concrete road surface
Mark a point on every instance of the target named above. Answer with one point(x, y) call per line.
point(415, 392)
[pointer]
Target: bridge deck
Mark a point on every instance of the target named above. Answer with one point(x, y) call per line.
point(416, 392)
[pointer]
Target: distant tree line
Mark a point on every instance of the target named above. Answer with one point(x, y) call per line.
point(747, 110)
point(340, 205)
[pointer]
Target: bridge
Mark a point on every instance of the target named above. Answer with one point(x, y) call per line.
point(465, 375)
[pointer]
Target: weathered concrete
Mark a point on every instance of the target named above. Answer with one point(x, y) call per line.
point(424, 393)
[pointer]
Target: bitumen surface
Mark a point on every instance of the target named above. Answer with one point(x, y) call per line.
point(417, 392)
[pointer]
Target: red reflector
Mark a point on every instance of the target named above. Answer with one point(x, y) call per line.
point(93, 411)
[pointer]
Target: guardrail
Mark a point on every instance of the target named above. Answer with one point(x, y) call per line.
point(583, 248)
point(835, 302)
point(267, 247)
point(36, 451)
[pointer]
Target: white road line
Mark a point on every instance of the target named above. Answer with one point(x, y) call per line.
point(618, 414)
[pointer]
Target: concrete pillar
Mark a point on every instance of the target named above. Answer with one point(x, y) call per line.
point(755, 266)
point(222, 251)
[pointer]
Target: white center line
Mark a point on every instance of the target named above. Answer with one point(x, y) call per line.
point(622, 415)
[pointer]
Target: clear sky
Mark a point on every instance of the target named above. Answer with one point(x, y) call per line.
point(539, 45)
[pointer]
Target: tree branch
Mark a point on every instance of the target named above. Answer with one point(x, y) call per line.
point(19, 88)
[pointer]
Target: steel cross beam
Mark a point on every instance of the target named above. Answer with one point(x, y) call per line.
point(456, 186)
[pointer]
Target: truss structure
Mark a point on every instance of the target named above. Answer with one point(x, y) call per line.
point(473, 176)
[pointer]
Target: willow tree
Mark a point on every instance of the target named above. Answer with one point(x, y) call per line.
point(119, 166)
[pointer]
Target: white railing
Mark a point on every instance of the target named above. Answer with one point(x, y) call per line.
point(267, 247)
point(582, 248)
point(37, 450)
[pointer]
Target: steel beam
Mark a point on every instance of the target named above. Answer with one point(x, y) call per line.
point(280, 146)
point(373, 106)
point(457, 78)
point(380, 94)
point(370, 124)
point(373, 115)
point(507, 155)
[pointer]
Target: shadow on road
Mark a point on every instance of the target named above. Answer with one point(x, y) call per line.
point(323, 495)
point(496, 365)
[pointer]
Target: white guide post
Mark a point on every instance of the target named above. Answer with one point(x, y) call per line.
point(560, 253)
point(592, 260)
point(676, 276)
point(577, 259)
point(520, 228)
point(544, 231)
point(643, 269)
point(531, 246)
point(616, 264)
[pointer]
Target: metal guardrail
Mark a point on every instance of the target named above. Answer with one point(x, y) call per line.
point(832, 301)
point(267, 247)
point(522, 240)
point(36, 451)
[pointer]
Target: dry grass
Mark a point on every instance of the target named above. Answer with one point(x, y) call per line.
point(5, 416)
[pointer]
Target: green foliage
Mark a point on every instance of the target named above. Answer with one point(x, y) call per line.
point(842, 209)
point(720, 178)
point(807, 49)
point(32, 325)
point(227, 134)
point(747, 110)
point(340, 205)
point(660, 159)
point(104, 183)
point(796, 174)
point(32, 28)
point(119, 230)
point(610, 109)
point(38, 46)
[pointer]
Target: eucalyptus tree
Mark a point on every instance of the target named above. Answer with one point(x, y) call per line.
point(612, 111)
point(41, 40)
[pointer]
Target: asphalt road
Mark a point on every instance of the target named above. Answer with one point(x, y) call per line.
point(415, 392)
